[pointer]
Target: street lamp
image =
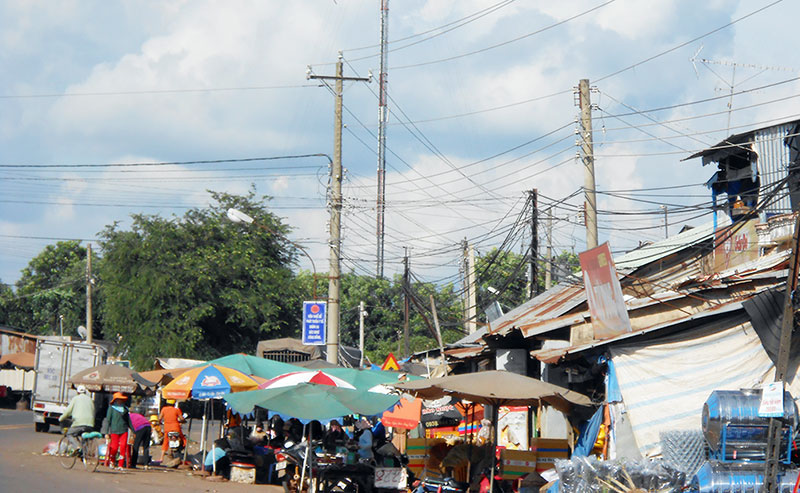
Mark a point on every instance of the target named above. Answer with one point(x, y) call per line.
point(238, 216)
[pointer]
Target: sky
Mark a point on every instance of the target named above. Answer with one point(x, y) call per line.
point(482, 110)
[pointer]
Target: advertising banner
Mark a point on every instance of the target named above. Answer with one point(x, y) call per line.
point(604, 294)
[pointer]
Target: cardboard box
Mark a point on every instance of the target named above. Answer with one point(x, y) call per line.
point(516, 463)
point(548, 450)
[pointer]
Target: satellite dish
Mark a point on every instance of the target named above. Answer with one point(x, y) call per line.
point(82, 331)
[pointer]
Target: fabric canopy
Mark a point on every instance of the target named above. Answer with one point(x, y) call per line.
point(312, 401)
point(664, 385)
point(110, 378)
point(495, 387)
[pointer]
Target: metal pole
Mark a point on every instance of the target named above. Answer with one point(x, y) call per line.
point(89, 293)
point(383, 119)
point(588, 163)
point(534, 286)
point(406, 307)
point(782, 365)
point(361, 314)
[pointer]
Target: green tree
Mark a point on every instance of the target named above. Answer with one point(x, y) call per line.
point(199, 285)
point(51, 286)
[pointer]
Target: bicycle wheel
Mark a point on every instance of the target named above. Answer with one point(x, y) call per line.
point(67, 451)
point(91, 456)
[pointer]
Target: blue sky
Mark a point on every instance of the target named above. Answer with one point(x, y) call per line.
point(101, 82)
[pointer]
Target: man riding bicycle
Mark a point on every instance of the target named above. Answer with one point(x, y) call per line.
point(81, 410)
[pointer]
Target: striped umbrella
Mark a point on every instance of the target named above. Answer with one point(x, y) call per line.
point(208, 382)
point(297, 377)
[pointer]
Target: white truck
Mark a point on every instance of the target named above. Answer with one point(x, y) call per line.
point(56, 361)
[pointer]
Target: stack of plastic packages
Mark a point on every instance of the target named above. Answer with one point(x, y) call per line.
point(589, 475)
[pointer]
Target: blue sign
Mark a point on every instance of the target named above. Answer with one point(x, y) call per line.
point(314, 323)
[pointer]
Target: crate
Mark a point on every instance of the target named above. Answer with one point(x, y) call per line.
point(243, 473)
point(417, 450)
point(548, 450)
point(517, 463)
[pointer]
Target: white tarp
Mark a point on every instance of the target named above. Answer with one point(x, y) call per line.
point(664, 384)
point(18, 379)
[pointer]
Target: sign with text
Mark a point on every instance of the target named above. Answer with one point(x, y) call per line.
point(771, 405)
point(603, 293)
point(314, 323)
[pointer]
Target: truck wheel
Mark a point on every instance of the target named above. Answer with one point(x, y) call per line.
point(42, 427)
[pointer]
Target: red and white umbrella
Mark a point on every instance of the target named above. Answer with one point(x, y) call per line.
point(298, 377)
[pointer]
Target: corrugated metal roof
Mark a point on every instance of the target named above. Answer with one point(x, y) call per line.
point(551, 304)
point(660, 249)
point(555, 355)
point(734, 143)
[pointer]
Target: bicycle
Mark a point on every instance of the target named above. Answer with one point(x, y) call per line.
point(84, 446)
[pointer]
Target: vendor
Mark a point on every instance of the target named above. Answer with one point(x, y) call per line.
point(335, 437)
point(364, 436)
point(217, 459)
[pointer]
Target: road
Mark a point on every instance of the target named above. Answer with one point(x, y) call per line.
point(24, 469)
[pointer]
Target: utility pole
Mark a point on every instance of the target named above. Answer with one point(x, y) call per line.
point(383, 119)
point(471, 302)
point(548, 268)
point(438, 329)
point(534, 288)
point(587, 154)
point(361, 314)
point(775, 431)
point(89, 293)
point(666, 222)
point(332, 347)
point(406, 306)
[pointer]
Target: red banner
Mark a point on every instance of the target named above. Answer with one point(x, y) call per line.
point(604, 294)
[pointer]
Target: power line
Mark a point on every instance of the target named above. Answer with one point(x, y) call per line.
point(152, 91)
point(166, 163)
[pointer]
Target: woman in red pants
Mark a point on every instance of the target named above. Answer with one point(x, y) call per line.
point(119, 422)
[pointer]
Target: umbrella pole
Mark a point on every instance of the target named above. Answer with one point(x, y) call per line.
point(495, 409)
point(203, 432)
point(188, 434)
point(213, 454)
point(305, 460)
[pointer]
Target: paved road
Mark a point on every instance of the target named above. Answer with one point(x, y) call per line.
point(24, 469)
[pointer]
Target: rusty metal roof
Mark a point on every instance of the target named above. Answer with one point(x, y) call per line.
point(555, 355)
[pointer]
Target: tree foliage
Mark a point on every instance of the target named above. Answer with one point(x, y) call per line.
point(51, 286)
point(198, 285)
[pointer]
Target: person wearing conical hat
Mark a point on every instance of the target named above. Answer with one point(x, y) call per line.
point(119, 422)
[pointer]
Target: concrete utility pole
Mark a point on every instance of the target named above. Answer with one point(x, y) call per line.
point(587, 153)
point(666, 222)
point(534, 287)
point(775, 432)
point(89, 293)
point(548, 268)
point(471, 305)
point(332, 347)
point(383, 119)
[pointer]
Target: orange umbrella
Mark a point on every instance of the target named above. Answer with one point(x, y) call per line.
point(405, 414)
point(208, 382)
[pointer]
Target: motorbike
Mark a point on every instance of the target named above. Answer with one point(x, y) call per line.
point(175, 444)
point(289, 464)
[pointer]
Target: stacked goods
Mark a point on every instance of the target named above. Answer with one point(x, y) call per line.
point(589, 475)
point(737, 441)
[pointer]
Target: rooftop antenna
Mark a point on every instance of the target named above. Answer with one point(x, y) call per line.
point(731, 85)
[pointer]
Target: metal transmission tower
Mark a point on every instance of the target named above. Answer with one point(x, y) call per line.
point(383, 118)
point(336, 213)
